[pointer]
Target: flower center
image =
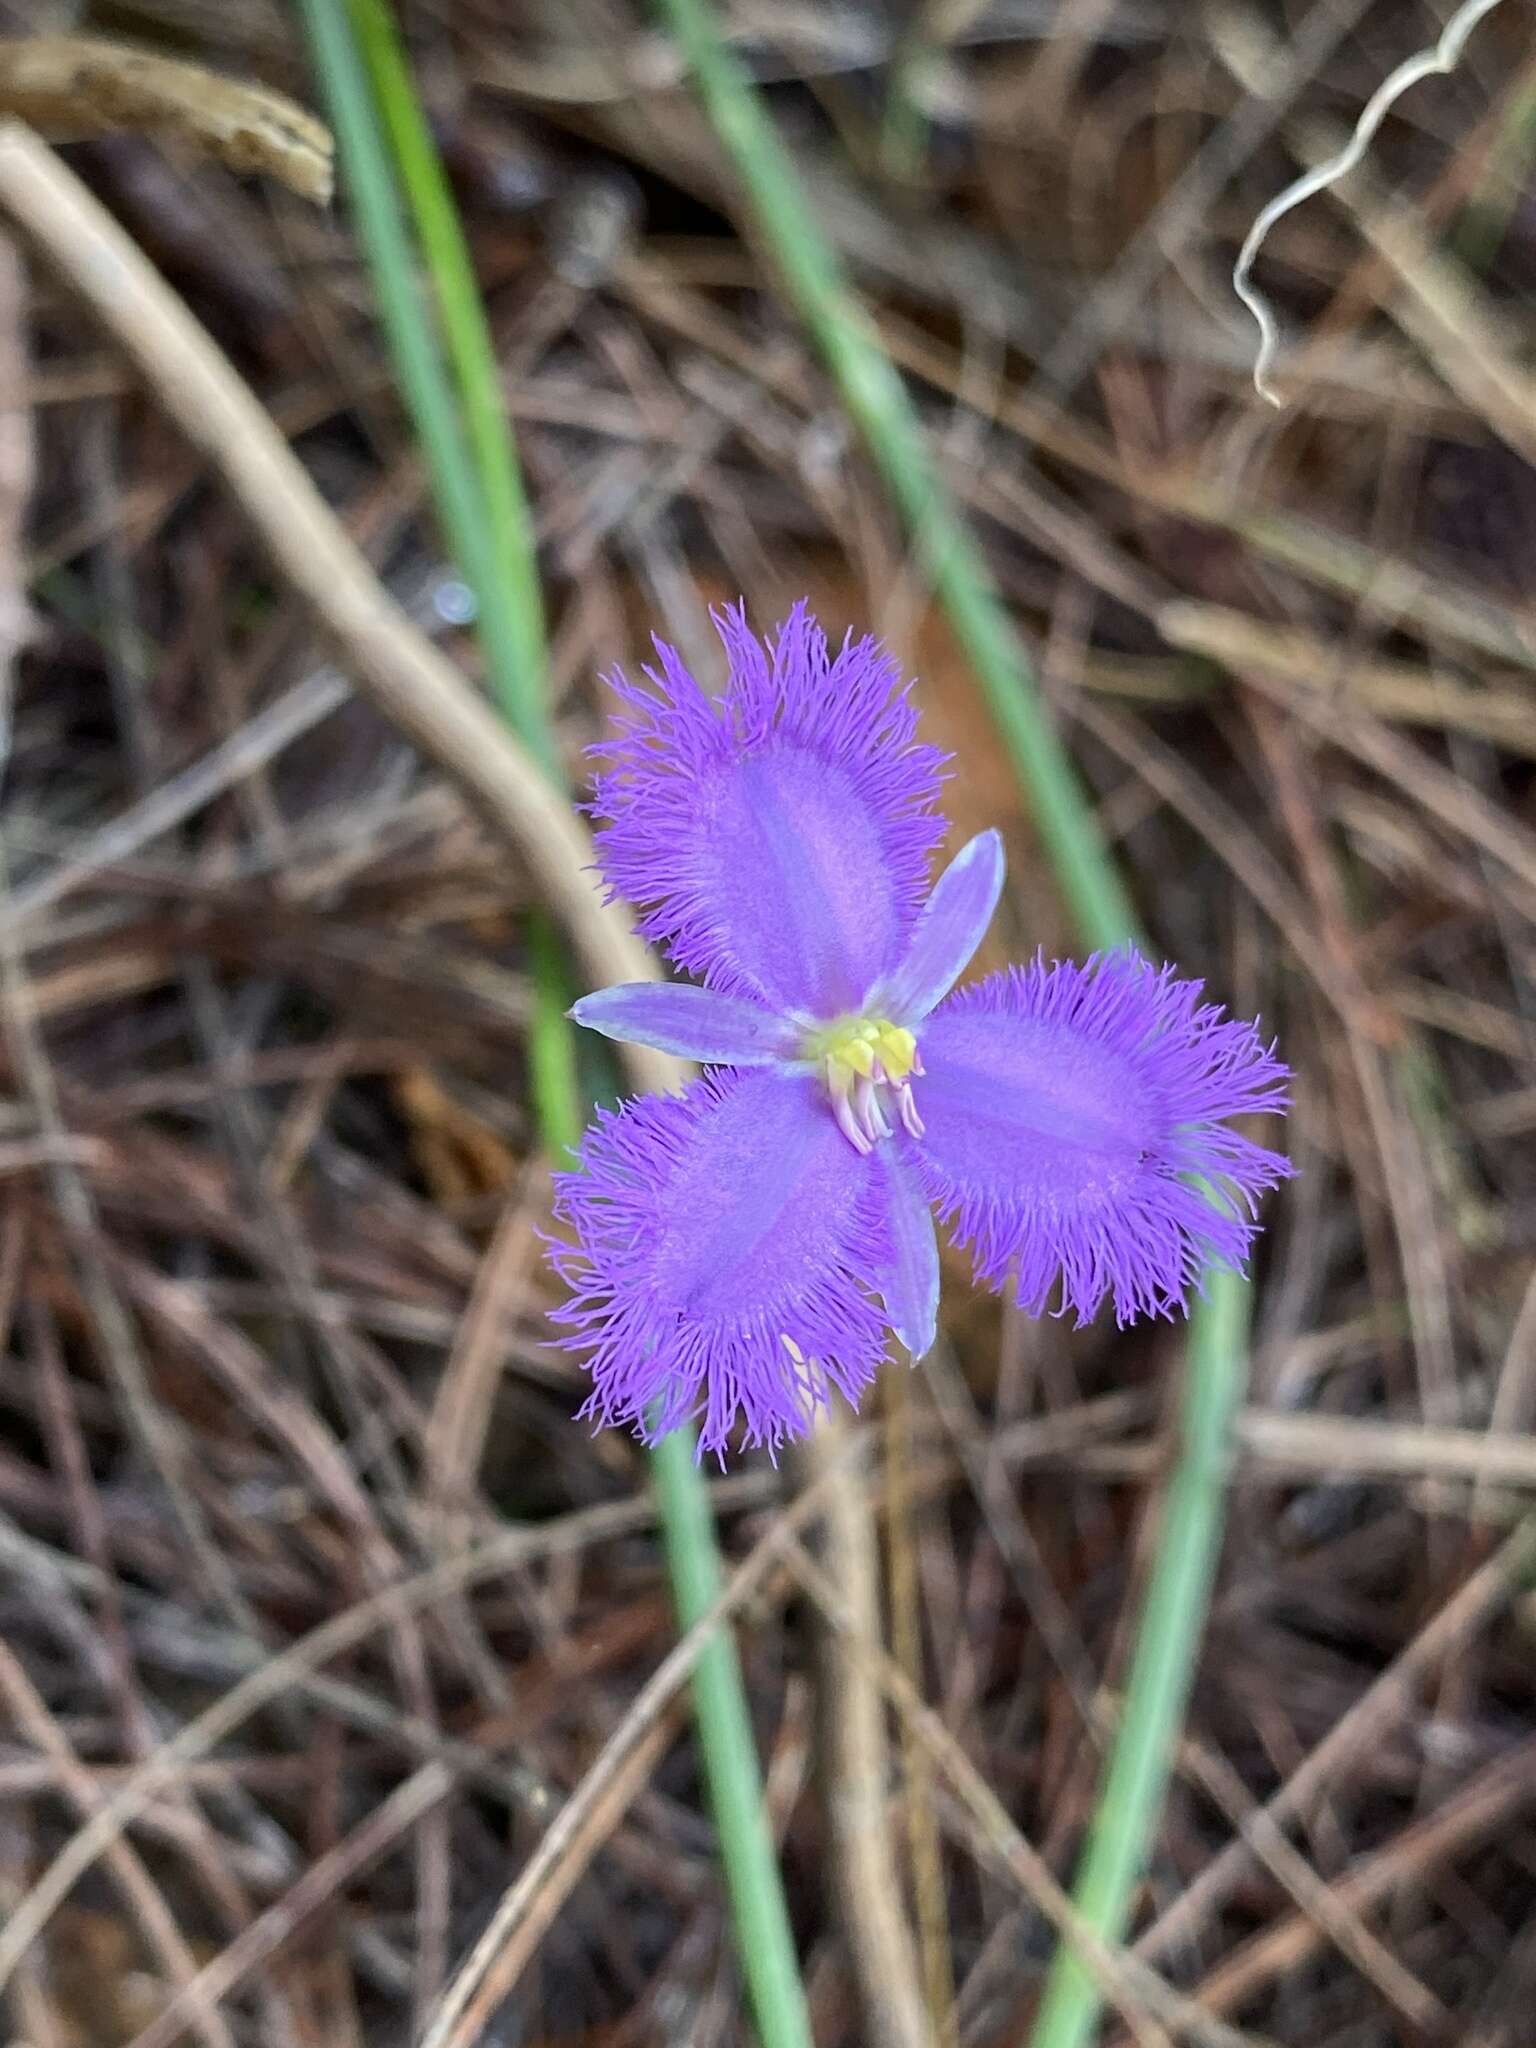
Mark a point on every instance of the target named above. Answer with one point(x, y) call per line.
point(866, 1061)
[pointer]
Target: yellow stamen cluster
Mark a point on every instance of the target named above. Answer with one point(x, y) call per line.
point(868, 1064)
point(858, 1045)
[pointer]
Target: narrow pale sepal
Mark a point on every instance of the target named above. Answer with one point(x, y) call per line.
point(694, 1023)
point(909, 1286)
point(952, 924)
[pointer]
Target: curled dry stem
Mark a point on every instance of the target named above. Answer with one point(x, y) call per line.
point(1440, 58)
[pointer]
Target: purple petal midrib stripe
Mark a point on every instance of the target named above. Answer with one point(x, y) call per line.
point(1003, 1101)
point(827, 982)
point(739, 1231)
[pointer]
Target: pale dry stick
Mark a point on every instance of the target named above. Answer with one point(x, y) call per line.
point(1469, 1018)
point(1514, 1390)
point(141, 1895)
point(268, 1681)
point(1439, 790)
point(1125, 1982)
point(865, 1887)
point(924, 1847)
point(1387, 1697)
point(1319, 1902)
point(1462, 1820)
point(1396, 692)
point(448, 2028)
point(1441, 58)
point(416, 687)
point(1441, 311)
point(421, 1793)
point(1352, 1446)
point(578, 1850)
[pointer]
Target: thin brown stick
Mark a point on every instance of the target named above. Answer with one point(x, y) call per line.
point(1376, 1708)
point(422, 1793)
point(141, 1895)
point(1136, 1993)
point(451, 2025)
point(856, 1769)
point(414, 685)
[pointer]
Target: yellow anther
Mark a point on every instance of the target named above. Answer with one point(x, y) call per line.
point(857, 1053)
point(897, 1049)
point(867, 1065)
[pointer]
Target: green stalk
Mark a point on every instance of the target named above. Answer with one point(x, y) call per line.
point(1175, 1601)
point(513, 614)
point(876, 398)
point(479, 495)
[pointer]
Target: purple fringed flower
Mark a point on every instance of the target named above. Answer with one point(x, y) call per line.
point(745, 1247)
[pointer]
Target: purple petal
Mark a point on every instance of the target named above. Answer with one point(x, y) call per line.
point(727, 1240)
point(776, 840)
point(909, 1286)
point(1065, 1107)
point(953, 924)
point(694, 1023)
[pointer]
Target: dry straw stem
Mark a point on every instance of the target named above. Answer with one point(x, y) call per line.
point(1154, 2012)
point(490, 1970)
point(1397, 692)
point(1381, 1706)
point(1358, 1447)
point(268, 1681)
point(865, 1888)
point(1441, 57)
point(414, 685)
point(1440, 309)
point(77, 87)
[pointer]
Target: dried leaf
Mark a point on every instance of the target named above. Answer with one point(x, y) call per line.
point(78, 87)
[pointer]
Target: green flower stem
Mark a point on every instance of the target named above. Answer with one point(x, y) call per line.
point(480, 500)
point(1169, 1630)
point(513, 602)
point(877, 400)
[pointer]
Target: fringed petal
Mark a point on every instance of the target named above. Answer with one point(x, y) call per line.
point(1075, 1135)
point(775, 840)
point(728, 1242)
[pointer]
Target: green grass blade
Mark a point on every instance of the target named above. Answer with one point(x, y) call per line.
point(877, 400)
point(513, 614)
point(1168, 1634)
point(512, 639)
point(481, 501)
point(1176, 1596)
